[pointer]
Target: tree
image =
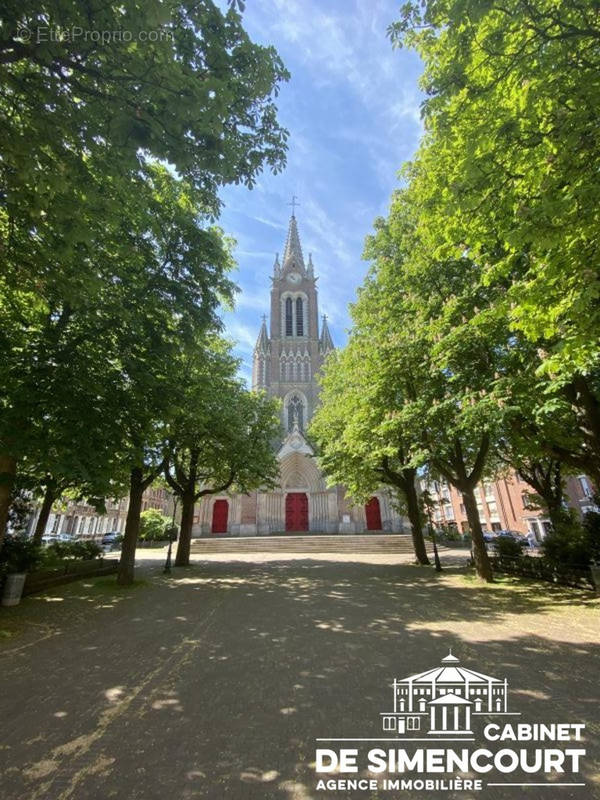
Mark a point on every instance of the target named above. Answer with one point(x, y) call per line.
point(507, 171)
point(361, 443)
point(220, 437)
point(452, 357)
point(198, 95)
point(86, 124)
point(183, 280)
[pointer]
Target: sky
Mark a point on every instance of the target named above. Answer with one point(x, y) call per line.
point(352, 109)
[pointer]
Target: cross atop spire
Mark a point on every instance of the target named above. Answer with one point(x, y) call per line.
point(293, 204)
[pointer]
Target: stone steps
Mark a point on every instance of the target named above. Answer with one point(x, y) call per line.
point(314, 543)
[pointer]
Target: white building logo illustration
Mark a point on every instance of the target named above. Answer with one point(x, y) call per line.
point(444, 699)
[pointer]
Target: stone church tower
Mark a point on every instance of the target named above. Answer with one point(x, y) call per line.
point(287, 361)
point(287, 358)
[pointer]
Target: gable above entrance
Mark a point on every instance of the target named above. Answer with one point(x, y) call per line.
point(299, 471)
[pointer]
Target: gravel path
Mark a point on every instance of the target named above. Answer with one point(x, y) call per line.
point(214, 683)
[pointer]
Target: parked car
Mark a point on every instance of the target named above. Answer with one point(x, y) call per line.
point(512, 534)
point(525, 539)
point(489, 536)
point(111, 540)
point(51, 538)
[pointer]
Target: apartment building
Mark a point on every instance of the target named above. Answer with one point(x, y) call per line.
point(505, 504)
point(82, 521)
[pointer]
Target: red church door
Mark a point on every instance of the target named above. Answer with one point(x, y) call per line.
point(373, 512)
point(219, 517)
point(296, 511)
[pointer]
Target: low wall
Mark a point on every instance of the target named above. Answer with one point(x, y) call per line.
point(540, 569)
point(70, 571)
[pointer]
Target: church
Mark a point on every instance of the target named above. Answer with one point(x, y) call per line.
point(287, 358)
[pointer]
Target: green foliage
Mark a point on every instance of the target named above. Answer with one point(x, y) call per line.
point(21, 509)
point(591, 526)
point(449, 533)
point(198, 95)
point(507, 547)
point(171, 533)
point(506, 173)
point(113, 156)
point(568, 544)
point(153, 525)
point(19, 554)
point(221, 434)
point(79, 551)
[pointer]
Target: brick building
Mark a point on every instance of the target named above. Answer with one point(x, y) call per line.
point(82, 521)
point(505, 504)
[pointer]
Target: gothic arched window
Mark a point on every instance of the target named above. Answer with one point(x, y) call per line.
point(299, 318)
point(289, 322)
point(295, 412)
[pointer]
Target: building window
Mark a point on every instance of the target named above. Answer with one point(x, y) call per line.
point(413, 723)
point(526, 500)
point(289, 321)
point(299, 317)
point(389, 723)
point(295, 413)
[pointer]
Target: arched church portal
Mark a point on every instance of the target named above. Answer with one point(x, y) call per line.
point(296, 511)
point(373, 515)
point(220, 515)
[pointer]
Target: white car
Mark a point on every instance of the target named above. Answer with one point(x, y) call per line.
point(51, 538)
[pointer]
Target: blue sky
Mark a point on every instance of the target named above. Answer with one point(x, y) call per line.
point(352, 110)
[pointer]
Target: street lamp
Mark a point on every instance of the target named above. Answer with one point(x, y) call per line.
point(172, 535)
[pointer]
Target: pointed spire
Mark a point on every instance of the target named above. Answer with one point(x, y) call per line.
point(293, 249)
point(326, 340)
point(276, 266)
point(262, 343)
point(310, 268)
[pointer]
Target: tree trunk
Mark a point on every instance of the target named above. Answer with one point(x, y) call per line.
point(556, 512)
point(482, 562)
point(126, 569)
point(8, 472)
point(414, 516)
point(42, 520)
point(591, 408)
point(182, 559)
point(547, 482)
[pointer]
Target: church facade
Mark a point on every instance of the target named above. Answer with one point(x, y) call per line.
point(287, 358)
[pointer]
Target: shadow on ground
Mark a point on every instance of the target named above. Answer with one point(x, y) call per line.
point(215, 683)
